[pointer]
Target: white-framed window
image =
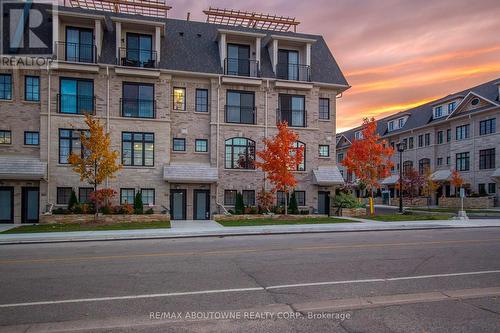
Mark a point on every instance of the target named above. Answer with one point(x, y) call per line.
point(391, 125)
point(438, 111)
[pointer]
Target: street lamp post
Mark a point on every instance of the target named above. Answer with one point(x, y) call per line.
point(401, 148)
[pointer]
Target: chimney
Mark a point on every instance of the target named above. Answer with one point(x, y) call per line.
point(188, 15)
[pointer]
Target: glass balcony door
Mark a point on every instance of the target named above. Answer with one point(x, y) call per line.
point(76, 96)
point(140, 50)
point(138, 100)
point(238, 60)
point(240, 107)
point(79, 45)
point(292, 109)
point(288, 64)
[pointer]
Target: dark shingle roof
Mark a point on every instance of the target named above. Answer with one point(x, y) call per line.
point(422, 115)
point(197, 50)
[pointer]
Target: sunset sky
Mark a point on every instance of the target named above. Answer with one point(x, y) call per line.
point(395, 54)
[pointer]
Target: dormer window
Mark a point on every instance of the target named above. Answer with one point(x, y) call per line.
point(139, 51)
point(396, 124)
point(438, 112)
point(238, 60)
point(401, 122)
point(391, 126)
point(358, 135)
point(451, 107)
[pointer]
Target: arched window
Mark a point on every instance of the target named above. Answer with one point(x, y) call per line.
point(240, 153)
point(407, 166)
point(301, 166)
point(424, 165)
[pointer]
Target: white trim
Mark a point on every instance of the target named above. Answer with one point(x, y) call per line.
point(463, 101)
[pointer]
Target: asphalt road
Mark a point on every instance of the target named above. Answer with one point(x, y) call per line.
point(404, 281)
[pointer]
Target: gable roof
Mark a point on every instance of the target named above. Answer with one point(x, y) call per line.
point(465, 101)
point(422, 115)
point(192, 46)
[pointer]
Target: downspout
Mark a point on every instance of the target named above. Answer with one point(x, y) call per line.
point(217, 134)
point(473, 164)
point(107, 111)
point(266, 113)
point(48, 132)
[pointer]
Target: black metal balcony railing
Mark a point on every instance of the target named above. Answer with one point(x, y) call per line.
point(295, 72)
point(240, 114)
point(137, 57)
point(75, 104)
point(76, 52)
point(294, 118)
point(138, 108)
point(241, 67)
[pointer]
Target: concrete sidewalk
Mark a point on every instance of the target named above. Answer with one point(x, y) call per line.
point(183, 229)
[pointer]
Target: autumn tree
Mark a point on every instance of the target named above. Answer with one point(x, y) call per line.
point(412, 181)
point(430, 186)
point(97, 161)
point(265, 200)
point(280, 158)
point(456, 180)
point(369, 158)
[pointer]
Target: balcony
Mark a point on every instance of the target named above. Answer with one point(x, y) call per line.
point(241, 67)
point(76, 52)
point(240, 114)
point(142, 58)
point(293, 72)
point(75, 104)
point(294, 118)
point(138, 108)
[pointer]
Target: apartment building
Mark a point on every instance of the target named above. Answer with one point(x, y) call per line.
point(456, 132)
point(187, 105)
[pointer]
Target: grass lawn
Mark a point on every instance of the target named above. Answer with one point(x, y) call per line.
point(276, 221)
point(454, 210)
point(408, 217)
point(86, 227)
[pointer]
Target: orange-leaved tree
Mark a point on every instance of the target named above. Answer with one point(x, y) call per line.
point(97, 161)
point(280, 157)
point(456, 180)
point(369, 158)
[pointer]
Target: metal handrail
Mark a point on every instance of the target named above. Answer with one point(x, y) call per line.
point(132, 107)
point(241, 67)
point(81, 104)
point(289, 116)
point(247, 115)
point(76, 52)
point(295, 72)
point(134, 57)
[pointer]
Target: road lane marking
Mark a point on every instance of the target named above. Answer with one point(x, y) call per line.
point(220, 291)
point(238, 251)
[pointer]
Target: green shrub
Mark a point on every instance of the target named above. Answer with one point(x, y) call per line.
point(344, 200)
point(304, 212)
point(292, 205)
point(77, 209)
point(149, 211)
point(73, 201)
point(59, 211)
point(106, 210)
point(239, 207)
point(138, 205)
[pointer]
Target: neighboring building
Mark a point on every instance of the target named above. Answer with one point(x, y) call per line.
point(187, 104)
point(459, 131)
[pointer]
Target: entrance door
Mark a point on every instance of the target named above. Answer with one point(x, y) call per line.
point(6, 204)
point(201, 205)
point(30, 204)
point(439, 194)
point(178, 204)
point(324, 202)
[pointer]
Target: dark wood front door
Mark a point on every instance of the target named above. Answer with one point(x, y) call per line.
point(30, 204)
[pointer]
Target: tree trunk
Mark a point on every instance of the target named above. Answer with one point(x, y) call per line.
point(286, 202)
point(95, 189)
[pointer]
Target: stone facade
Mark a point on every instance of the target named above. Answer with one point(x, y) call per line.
point(45, 117)
point(469, 202)
point(102, 219)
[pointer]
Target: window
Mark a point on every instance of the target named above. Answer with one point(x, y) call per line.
point(424, 165)
point(138, 100)
point(84, 194)
point(288, 67)
point(76, 96)
point(487, 159)
point(451, 107)
point(481, 188)
point(179, 144)
point(5, 86)
point(32, 88)
point(438, 112)
point(439, 161)
point(324, 150)
point(462, 132)
point(475, 101)
point(292, 110)
point(230, 197)
point(5, 137)
point(63, 195)
point(31, 138)
point(248, 197)
point(240, 153)
point(238, 60)
point(462, 161)
point(79, 45)
point(127, 196)
point(420, 140)
point(405, 143)
point(139, 52)
point(401, 122)
point(358, 135)
point(410, 142)
point(201, 100)
point(448, 160)
point(138, 149)
point(300, 196)
point(280, 198)
point(407, 167)
point(148, 196)
point(69, 143)
point(324, 108)
point(340, 157)
point(240, 107)
point(393, 145)
point(301, 166)
point(448, 135)
point(492, 188)
point(427, 139)
point(201, 145)
point(180, 99)
point(440, 137)
point(487, 126)
point(391, 126)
